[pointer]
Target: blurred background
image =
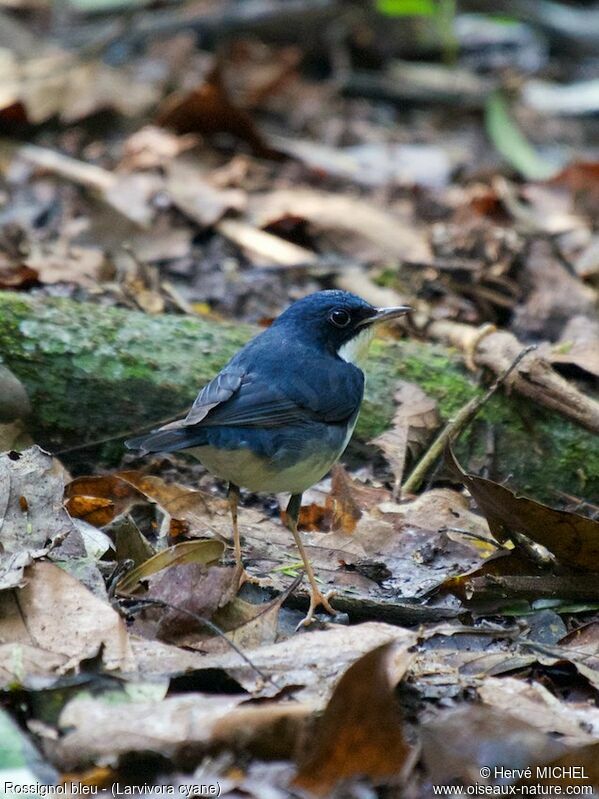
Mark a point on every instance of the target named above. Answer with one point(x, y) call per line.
point(211, 157)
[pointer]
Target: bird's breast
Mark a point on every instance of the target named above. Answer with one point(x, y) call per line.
point(299, 458)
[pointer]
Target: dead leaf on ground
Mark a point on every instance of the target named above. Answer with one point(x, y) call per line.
point(582, 179)
point(196, 197)
point(100, 499)
point(208, 110)
point(373, 164)
point(573, 539)
point(386, 233)
point(309, 662)
point(199, 552)
point(458, 743)
point(17, 276)
point(554, 295)
point(151, 147)
point(196, 508)
point(95, 731)
point(190, 588)
point(361, 730)
point(414, 421)
point(57, 622)
point(578, 345)
point(571, 771)
point(32, 516)
point(57, 83)
point(576, 723)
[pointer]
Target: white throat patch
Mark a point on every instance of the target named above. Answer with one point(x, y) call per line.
point(356, 349)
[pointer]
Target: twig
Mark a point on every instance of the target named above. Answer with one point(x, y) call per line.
point(142, 603)
point(456, 425)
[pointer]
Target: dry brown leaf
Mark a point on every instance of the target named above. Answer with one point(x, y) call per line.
point(387, 233)
point(99, 499)
point(61, 623)
point(151, 147)
point(196, 508)
point(576, 723)
point(96, 731)
point(196, 197)
point(573, 539)
point(208, 109)
point(311, 662)
point(554, 295)
point(361, 731)
point(203, 552)
point(457, 744)
point(415, 419)
point(17, 276)
point(32, 516)
point(57, 83)
point(579, 345)
point(189, 588)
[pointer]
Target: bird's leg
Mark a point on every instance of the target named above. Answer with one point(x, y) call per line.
point(240, 572)
point(316, 596)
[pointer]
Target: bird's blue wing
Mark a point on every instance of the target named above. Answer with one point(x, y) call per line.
point(218, 390)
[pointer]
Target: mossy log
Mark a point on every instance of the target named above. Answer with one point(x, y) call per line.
point(92, 372)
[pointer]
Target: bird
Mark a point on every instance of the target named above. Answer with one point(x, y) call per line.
point(281, 412)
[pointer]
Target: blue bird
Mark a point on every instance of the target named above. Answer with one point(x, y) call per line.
point(282, 411)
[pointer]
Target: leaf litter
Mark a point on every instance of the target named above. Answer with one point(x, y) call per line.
point(444, 605)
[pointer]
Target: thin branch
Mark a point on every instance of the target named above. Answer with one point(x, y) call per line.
point(456, 425)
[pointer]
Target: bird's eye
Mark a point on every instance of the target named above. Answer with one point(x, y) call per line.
point(339, 317)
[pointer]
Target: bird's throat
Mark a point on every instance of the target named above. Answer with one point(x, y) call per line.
point(356, 349)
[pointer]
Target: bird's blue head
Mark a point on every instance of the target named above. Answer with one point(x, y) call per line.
point(337, 321)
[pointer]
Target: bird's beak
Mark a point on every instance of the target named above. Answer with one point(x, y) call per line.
point(384, 314)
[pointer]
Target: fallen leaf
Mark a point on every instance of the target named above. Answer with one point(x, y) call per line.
point(202, 552)
point(310, 662)
point(208, 109)
point(100, 499)
point(191, 588)
point(361, 732)
point(95, 731)
point(179, 502)
point(387, 233)
point(511, 142)
point(58, 623)
point(196, 197)
point(573, 539)
point(17, 276)
point(554, 297)
point(578, 345)
point(458, 743)
point(151, 147)
point(32, 517)
point(576, 723)
point(567, 772)
point(373, 163)
point(415, 419)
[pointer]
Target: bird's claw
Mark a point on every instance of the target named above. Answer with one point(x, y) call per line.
point(316, 599)
point(242, 577)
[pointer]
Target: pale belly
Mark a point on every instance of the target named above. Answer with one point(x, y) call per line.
point(277, 475)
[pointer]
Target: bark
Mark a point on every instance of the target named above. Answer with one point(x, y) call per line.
point(92, 372)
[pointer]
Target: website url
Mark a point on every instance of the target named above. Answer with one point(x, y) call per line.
point(512, 790)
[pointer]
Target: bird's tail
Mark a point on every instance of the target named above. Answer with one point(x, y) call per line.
point(161, 441)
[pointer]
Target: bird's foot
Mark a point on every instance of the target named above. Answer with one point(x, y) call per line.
point(242, 576)
point(317, 598)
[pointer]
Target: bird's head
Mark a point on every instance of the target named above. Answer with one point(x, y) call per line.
point(337, 321)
